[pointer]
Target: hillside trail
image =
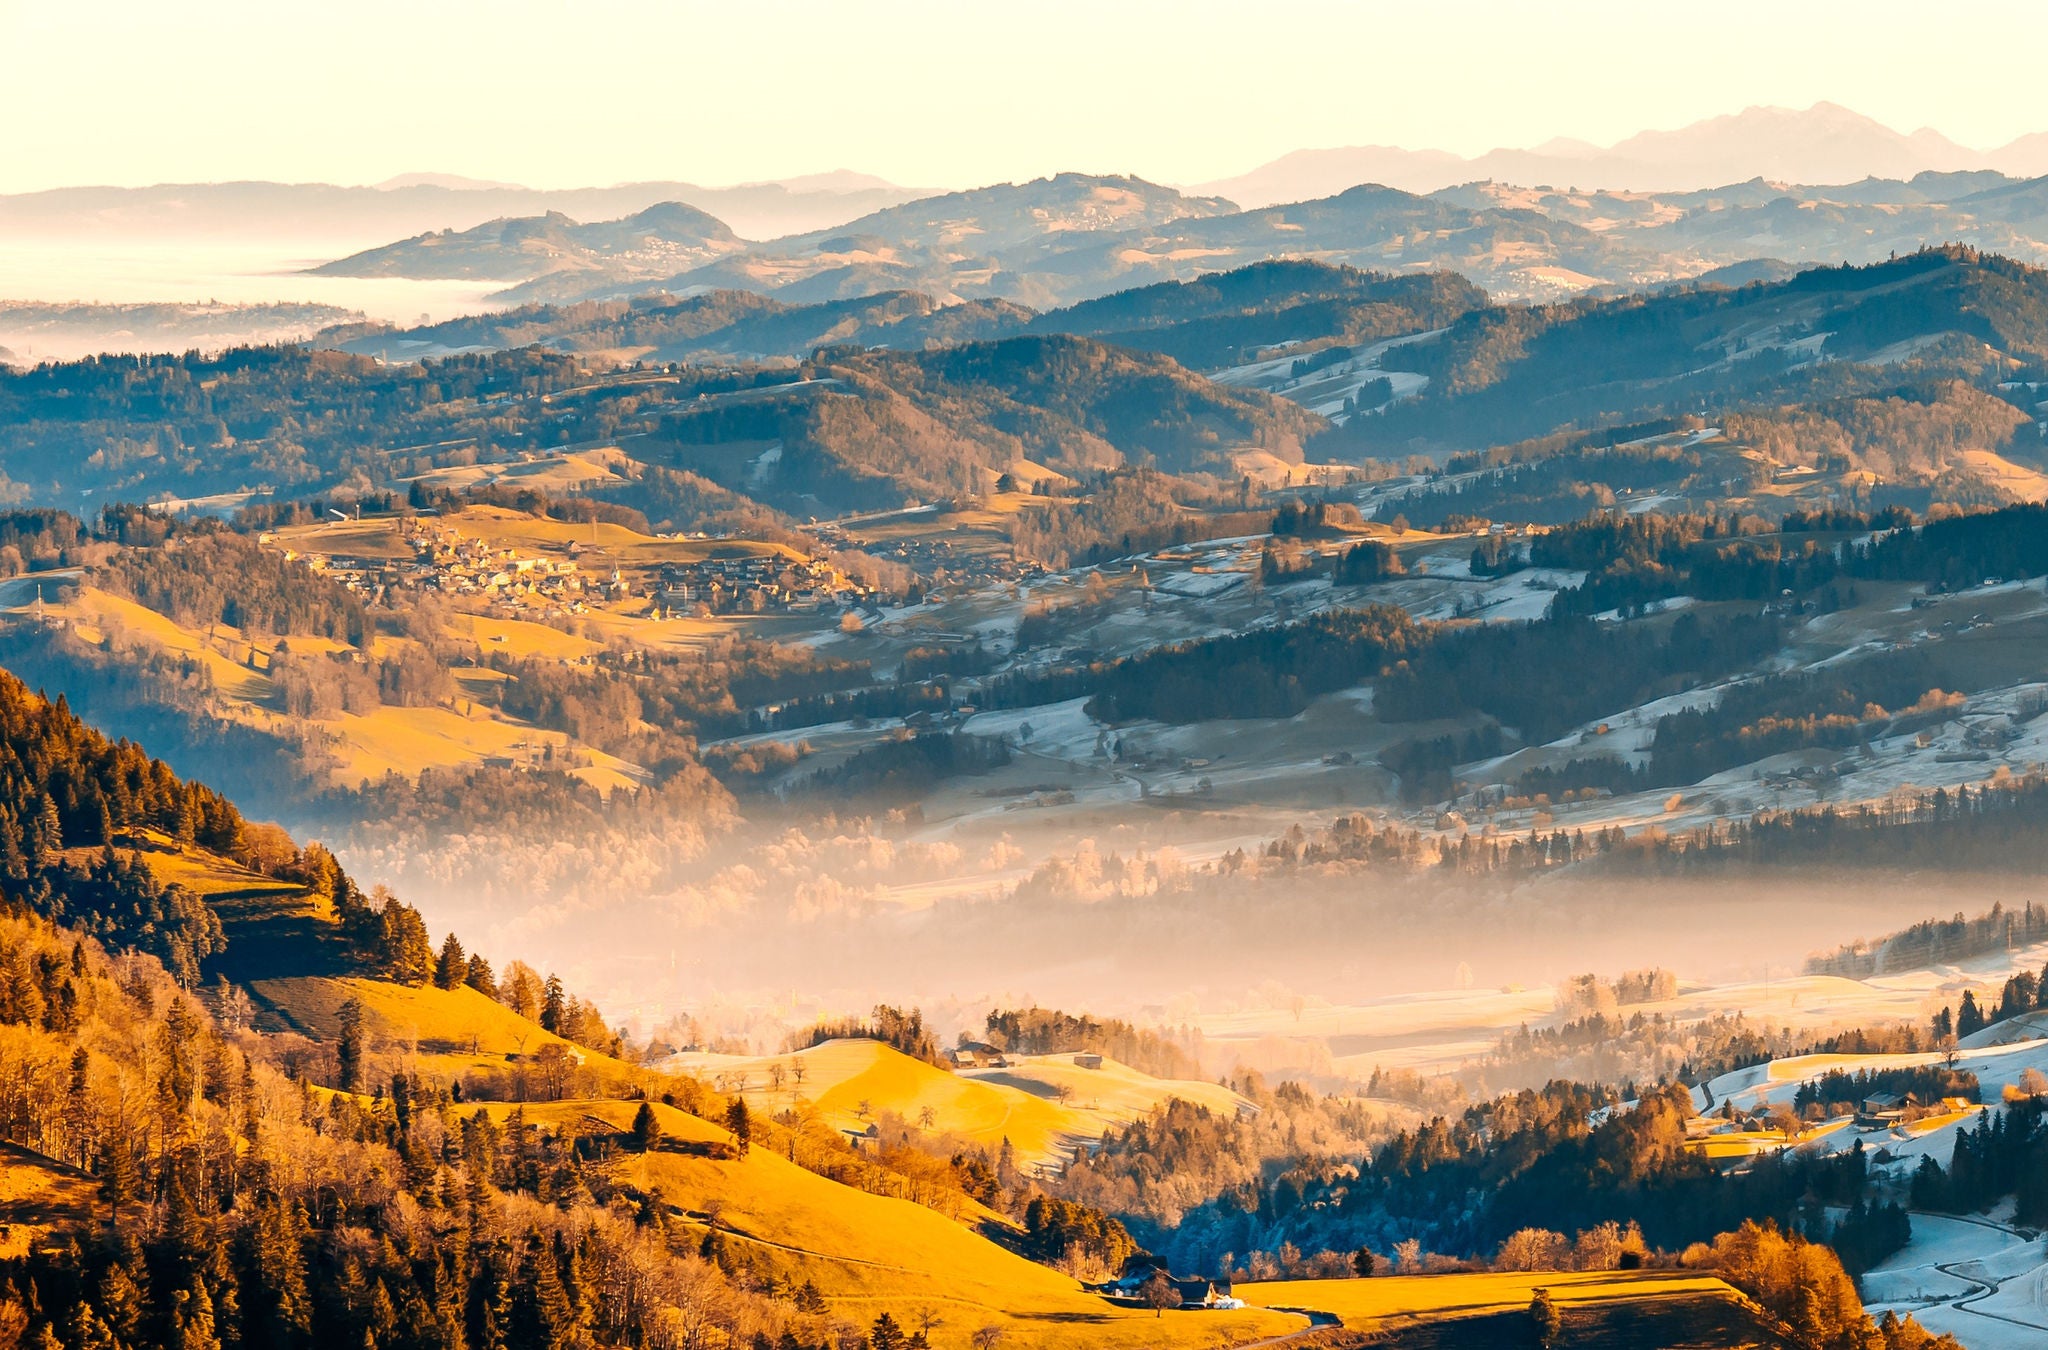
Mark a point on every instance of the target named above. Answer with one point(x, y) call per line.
point(1317, 1321)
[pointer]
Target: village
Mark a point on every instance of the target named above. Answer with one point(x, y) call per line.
point(438, 557)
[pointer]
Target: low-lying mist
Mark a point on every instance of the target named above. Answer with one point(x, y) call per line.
point(857, 912)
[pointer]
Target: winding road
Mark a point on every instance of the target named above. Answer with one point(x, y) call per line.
point(1983, 1285)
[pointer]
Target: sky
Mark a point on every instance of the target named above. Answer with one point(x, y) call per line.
point(931, 94)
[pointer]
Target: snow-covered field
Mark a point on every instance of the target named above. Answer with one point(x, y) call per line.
point(1325, 391)
point(1979, 1280)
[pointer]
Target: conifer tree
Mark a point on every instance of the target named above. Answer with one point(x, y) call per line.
point(453, 967)
point(1969, 1017)
point(478, 976)
point(646, 1128)
point(349, 1047)
point(741, 1122)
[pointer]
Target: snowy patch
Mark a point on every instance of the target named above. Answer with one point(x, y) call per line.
point(1200, 585)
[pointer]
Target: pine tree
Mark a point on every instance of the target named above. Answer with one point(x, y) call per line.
point(118, 1179)
point(480, 978)
point(121, 1301)
point(741, 1122)
point(405, 951)
point(542, 1313)
point(1969, 1017)
point(274, 1274)
point(453, 967)
point(554, 1002)
point(192, 1319)
point(349, 1048)
point(646, 1128)
point(85, 1330)
point(45, 834)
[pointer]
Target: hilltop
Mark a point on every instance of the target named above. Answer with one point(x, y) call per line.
point(1041, 1106)
point(653, 242)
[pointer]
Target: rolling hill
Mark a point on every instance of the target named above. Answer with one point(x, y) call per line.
point(872, 428)
point(870, 1254)
point(1619, 1309)
point(658, 241)
point(1897, 328)
point(1043, 1105)
point(1216, 320)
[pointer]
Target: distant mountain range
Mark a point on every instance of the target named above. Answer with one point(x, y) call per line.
point(1825, 143)
point(414, 204)
point(1061, 240)
point(1039, 243)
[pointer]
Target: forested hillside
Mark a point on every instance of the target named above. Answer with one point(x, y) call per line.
point(1846, 337)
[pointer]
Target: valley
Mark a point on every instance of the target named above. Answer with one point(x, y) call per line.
point(1406, 748)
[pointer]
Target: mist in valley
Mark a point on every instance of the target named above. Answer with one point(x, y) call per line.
point(773, 926)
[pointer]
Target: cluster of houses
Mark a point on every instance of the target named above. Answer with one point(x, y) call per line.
point(454, 564)
point(451, 563)
point(928, 556)
point(757, 586)
point(1888, 1112)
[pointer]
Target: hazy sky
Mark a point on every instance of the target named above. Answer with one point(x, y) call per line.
point(929, 94)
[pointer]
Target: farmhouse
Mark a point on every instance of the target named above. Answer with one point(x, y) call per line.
point(1881, 1110)
point(1195, 1292)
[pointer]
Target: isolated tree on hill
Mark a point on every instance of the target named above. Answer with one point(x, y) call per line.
point(348, 1051)
point(1969, 1017)
point(646, 1129)
point(1544, 1318)
point(741, 1122)
point(1158, 1293)
point(553, 1003)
